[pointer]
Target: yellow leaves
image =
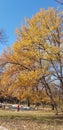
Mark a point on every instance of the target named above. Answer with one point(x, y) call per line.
point(41, 25)
point(30, 56)
point(54, 49)
point(51, 52)
point(28, 79)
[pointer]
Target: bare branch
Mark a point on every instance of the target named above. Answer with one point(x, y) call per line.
point(59, 1)
point(3, 37)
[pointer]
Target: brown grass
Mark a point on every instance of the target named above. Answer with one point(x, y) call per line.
point(31, 120)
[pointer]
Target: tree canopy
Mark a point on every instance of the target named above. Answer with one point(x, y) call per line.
point(34, 63)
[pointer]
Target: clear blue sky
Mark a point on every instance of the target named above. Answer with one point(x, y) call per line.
point(13, 12)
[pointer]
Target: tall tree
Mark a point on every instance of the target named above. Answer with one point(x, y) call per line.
point(37, 54)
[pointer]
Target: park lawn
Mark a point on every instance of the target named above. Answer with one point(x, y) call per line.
point(31, 120)
point(33, 115)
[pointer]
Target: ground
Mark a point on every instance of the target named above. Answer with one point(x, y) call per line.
point(31, 120)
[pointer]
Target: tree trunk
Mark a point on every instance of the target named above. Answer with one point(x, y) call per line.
point(28, 102)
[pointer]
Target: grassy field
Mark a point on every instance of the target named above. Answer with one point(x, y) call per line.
point(31, 120)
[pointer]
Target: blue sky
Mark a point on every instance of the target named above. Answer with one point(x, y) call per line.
point(13, 13)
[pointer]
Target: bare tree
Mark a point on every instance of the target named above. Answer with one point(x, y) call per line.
point(59, 1)
point(3, 37)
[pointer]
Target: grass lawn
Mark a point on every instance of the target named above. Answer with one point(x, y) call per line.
point(31, 120)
